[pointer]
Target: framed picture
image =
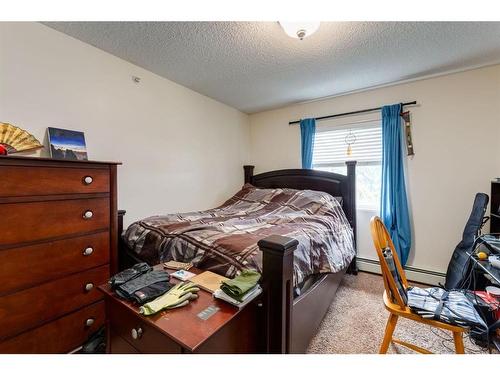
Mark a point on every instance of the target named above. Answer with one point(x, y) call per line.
point(67, 144)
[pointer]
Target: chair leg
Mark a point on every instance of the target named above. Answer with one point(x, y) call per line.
point(389, 330)
point(459, 342)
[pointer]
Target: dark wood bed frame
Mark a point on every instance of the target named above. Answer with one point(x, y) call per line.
point(288, 324)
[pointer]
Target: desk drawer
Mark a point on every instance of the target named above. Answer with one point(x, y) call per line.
point(26, 309)
point(149, 340)
point(59, 336)
point(118, 345)
point(23, 267)
point(27, 222)
point(23, 181)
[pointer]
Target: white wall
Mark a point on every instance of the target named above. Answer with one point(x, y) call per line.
point(456, 134)
point(180, 150)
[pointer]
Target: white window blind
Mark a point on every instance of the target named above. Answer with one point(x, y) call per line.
point(330, 148)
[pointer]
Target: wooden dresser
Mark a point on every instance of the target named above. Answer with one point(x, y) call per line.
point(58, 225)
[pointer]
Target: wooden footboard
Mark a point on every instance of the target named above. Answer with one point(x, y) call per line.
point(310, 308)
point(290, 324)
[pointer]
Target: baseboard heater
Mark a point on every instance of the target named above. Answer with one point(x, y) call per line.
point(412, 273)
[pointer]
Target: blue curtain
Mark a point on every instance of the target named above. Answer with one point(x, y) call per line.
point(307, 131)
point(393, 203)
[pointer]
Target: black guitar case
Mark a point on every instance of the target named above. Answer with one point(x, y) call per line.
point(458, 268)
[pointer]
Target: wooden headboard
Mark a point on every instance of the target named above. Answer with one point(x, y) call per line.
point(337, 185)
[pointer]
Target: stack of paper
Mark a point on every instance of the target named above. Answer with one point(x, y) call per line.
point(208, 281)
point(249, 296)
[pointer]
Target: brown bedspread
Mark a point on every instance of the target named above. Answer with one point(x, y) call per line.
point(224, 239)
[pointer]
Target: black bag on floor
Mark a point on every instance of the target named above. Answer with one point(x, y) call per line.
point(459, 266)
point(96, 344)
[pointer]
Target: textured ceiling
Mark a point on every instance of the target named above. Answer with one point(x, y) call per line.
point(254, 66)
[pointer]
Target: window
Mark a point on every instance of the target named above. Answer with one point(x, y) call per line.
point(330, 154)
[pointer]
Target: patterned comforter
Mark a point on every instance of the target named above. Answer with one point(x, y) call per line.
point(224, 239)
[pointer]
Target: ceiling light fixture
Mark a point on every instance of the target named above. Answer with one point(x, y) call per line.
point(299, 30)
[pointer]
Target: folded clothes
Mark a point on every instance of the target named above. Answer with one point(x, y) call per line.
point(128, 289)
point(151, 292)
point(453, 307)
point(247, 298)
point(239, 286)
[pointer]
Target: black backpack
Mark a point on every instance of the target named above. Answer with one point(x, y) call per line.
point(459, 266)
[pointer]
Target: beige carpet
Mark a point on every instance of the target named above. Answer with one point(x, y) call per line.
point(356, 321)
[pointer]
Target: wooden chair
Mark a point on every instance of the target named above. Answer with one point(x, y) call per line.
point(394, 302)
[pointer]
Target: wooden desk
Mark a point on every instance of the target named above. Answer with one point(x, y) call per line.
point(181, 330)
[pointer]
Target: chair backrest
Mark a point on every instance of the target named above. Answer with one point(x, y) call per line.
point(381, 241)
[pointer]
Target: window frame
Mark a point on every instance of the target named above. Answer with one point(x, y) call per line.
point(371, 123)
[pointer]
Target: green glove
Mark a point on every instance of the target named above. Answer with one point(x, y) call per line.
point(178, 296)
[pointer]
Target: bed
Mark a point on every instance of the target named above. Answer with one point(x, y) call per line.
point(296, 226)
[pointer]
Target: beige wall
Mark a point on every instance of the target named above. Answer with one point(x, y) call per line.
point(456, 134)
point(180, 150)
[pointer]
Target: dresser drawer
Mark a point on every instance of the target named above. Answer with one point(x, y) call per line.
point(28, 308)
point(23, 181)
point(26, 222)
point(145, 338)
point(59, 336)
point(22, 267)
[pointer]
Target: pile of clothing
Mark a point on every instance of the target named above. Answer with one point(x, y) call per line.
point(152, 289)
point(240, 290)
point(453, 307)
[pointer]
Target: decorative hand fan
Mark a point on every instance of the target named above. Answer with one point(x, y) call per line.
point(14, 139)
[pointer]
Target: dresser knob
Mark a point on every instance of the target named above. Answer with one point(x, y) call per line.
point(136, 333)
point(89, 287)
point(89, 322)
point(87, 180)
point(88, 215)
point(88, 251)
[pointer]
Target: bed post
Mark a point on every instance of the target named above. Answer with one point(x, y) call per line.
point(119, 231)
point(248, 173)
point(277, 280)
point(350, 208)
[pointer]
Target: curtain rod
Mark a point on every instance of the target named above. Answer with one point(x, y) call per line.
point(351, 113)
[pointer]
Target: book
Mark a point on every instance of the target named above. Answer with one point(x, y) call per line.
point(250, 296)
point(182, 275)
point(208, 281)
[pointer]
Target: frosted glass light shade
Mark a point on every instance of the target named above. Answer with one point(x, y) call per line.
point(299, 30)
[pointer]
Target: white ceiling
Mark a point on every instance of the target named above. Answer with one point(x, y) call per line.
point(254, 66)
